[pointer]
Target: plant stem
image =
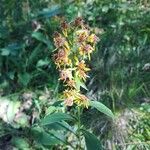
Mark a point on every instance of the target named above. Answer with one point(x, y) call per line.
point(79, 127)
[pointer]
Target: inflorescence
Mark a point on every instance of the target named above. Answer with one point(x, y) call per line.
point(74, 45)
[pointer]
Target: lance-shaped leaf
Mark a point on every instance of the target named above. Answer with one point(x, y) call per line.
point(44, 138)
point(56, 117)
point(80, 84)
point(92, 143)
point(102, 108)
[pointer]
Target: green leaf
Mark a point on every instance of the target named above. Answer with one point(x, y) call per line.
point(66, 126)
point(83, 86)
point(42, 63)
point(79, 84)
point(24, 78)
point(12, 49)
point(47, 139)
point(105, 9)
point(22, 121)
point(56, 117)
point(20, 143)
point(11, 75)
point(102, 108)
point(33, 56)
point(50, 110)
point(39, 36)
point(43, 137)
point(49, 12)
point(5, 52)
point(92, 143)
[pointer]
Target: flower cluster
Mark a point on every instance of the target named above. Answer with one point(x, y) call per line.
point(74, 45)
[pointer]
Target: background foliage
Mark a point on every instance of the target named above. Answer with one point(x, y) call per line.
point(120, 75)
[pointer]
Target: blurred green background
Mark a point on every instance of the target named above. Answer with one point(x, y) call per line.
point(120, 75)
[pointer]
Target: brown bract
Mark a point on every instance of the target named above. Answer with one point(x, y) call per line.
point(65, 75)
point(64, 25)
point(61, 57)
point(71, 83)
point(59, 41)
point(79, 21)
point(69, 101)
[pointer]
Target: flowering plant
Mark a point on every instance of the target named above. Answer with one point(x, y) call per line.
point(74, 46)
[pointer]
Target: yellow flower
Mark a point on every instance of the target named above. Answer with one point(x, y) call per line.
point(68, 93)
point(74, 45)
point(73, 96)
point(61, 58)
point(86, 49)
point(69, 96)
point(59, 41)
point(82, 66)
point(93, 38)
point(71, 83)
point(82, 69)
point(82, 35)
point(65, 74)
point(82, 74)
point(67, 46)
point(69, 101)
point(82, 100)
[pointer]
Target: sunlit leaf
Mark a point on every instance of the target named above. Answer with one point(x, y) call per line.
point(79, 84)
point(39, 36)
point(42, 63)
point(102, 108)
